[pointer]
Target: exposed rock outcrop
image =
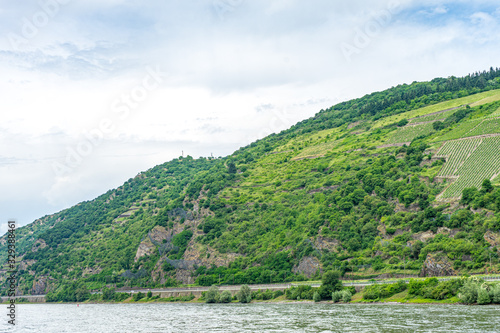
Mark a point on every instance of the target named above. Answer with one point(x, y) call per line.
point(39, 286)
point(146, 248)
point(437, 264)
point(324, 243)
point(444, 231)
point(154, 238)
point(39, 244)
point(492, 238)
point(381, 228)
point(308, 266)
point(159, 233)
point(423, 236)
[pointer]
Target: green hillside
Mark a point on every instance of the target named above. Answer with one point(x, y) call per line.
point(372, 186)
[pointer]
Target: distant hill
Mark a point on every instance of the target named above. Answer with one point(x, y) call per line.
point(373, 186)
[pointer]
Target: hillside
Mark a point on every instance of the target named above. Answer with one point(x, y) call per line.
point(386, 184)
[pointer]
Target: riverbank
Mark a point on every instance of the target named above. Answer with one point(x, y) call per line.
point(414, 291)
point(401, 298)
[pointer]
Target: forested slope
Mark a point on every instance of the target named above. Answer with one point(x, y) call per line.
point(370, 186)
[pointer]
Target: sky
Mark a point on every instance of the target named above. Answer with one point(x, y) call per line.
point(93, 92)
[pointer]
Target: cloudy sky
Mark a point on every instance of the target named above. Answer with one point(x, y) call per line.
point(93, 92)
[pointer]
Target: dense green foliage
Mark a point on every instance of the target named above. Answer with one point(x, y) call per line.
point(477, 291)
point(468, 290)
point(342, 295)
point(431, 288)
point(244, 295)
point(329, 284)
point(212, 295)
point(376, 292)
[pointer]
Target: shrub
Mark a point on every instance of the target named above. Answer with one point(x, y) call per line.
point(316, 297)
point(402, 122)
point(371, 292)
point(301, 292)
point(108, 294)
point(496, 294)
point(267, 295)
point(383, 290)
point(351, 289)
point(468, 293)
point(445, 289)
point(245, 294)
point(482, 296)
point(225, 297)
point(138, 296)
point(336, 296)
point(150, 294)
point(346, 296)
point(433, 289)
point(418, 287)
point(212, 295)
point(121, 297)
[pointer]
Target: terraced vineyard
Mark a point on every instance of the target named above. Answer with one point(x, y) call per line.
point(317, 150)
point(456, 153)
point(433, 117)
point(495, 114)
point(474, 127)
point(410, 132)
point(471, 161)
point(487, 126)
point(461, 131)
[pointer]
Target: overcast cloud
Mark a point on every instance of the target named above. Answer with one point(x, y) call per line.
point(93, 92)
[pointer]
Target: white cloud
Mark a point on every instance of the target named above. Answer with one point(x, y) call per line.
point(482, 18)
point(439, 10)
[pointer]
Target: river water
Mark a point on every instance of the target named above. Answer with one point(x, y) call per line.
point(96, 318)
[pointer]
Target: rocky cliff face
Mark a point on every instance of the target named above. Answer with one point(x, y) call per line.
point(39, 286)
point(437, 264)
point(308, 266)
point(154, 238)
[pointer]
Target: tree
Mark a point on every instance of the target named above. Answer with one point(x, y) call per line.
point(231, 168)
point(108, 294)
point(402, 122)
point(138, 296)
point(225, 297)
point(82, 294)
point(460, 218)
point(245, 294)
point(316, 297)
point(329, 283)
point(468, 195)
point(438, 125)
point(212, 295)
point(150, 294)
point(486, 186)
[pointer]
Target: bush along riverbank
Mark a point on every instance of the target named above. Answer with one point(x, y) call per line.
point(465, 290)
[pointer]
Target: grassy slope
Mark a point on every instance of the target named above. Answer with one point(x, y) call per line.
point(473, 100)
